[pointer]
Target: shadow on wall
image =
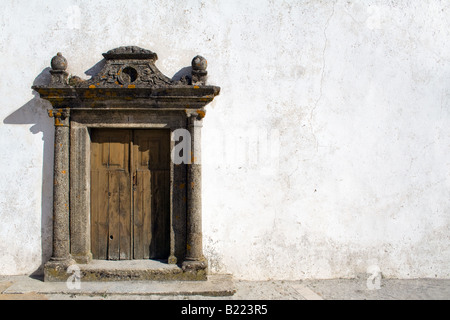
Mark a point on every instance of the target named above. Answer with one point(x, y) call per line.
point(35, 112)
point(183, 73)
point(96, 68)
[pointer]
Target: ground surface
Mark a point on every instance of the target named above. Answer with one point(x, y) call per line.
point(223, 287)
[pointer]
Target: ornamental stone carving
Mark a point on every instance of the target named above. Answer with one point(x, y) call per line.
point(126, 66)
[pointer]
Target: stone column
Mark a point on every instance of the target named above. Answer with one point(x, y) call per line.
point(172, 258)
point(195, 261)
point(61, 258)
point(80, 240)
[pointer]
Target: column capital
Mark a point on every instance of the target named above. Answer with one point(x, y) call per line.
point(61, 116)
point(195, 117)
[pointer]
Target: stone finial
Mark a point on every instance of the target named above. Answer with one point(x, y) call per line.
point(58, 72)
point(199, 63)
point(59, 63)
point(199, 73)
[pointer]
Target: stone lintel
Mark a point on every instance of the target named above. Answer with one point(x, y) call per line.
point(182, 97)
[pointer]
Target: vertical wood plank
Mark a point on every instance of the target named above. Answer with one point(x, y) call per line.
point(94, 196)
point(102, 211)
point(160, 225)
point(113, 214)
point(138, 221)
point(149, 208)
point(163, 250)
point(146, 196)
point(124, 216)
point(94, 213)
point(99, 198)
point(142, 214)
point(155, 226)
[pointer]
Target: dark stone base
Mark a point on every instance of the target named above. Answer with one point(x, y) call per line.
point(56, 270)
point(128, 270)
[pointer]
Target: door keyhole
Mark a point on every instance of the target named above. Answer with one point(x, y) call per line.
point(134, 181)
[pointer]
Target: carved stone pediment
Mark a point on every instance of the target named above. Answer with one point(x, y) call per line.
point(129, 66)
point(129, 73)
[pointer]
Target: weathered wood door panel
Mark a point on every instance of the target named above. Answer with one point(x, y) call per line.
point(151, 158)
point(129, 194)
point(110, 194)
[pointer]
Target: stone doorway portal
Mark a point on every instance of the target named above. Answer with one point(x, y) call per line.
point(107, 129)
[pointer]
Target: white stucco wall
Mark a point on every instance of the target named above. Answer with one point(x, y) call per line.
point(355, 95)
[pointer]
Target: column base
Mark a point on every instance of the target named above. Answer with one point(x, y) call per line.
point(197, 269)
point(82, 258)
point(55, 270)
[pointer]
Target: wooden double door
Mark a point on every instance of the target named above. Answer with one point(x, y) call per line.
point(130, 176)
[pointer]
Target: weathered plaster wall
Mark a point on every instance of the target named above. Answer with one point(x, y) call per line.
point(355, 95)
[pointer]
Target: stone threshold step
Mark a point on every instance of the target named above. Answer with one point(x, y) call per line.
point(126, 270)
point(215, 286)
